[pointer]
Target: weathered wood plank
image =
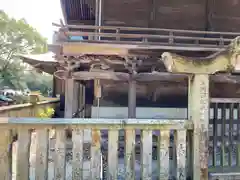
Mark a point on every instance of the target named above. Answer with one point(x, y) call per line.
point(231, 143)
point(200, 117)
point(141, 29)
point(42, 154)
point(70, 99)
point(146, 164)
point(225, 176)
point(5, 164)
point(60, 154)
point(103, 123)
point(81, 101)
point(129, 154)
point(112, 154)
point(181, 154)
point(77, 163)
point(145, 77)
point(190, 133)
point(163, 156)
point(238, 138)
point(215, 129)
point(132, 98)
point(223, 132)
point(96, 155)
point(189, 154)
point(24, 141)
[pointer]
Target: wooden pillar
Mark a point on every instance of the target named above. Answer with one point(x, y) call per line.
point(199, 114)
point(190, 133)
point(54, 87)
point(81, 100)
point(132, 99)
point(71, 102)
point(89, 96)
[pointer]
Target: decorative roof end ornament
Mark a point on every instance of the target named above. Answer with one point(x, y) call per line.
point(224, 61)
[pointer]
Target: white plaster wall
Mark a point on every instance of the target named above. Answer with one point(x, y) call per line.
point(148, 112)
point(141, 112)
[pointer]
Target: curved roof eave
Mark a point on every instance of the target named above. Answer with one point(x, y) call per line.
point(45, 62)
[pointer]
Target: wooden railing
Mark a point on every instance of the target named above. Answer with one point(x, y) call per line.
point(153, 163)
point(210, 40)
point(224, 137)
point(27, 109)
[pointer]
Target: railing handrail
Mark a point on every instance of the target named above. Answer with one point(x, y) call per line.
point(175, 39)
point(124, 35)
point(19, 106)
point(225, 100)
point(93, 27)
point(92, 121)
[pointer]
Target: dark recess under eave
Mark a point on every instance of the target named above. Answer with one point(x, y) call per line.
point(77, 10)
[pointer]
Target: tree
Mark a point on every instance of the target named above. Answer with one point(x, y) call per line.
point(38, 82)
point(17, 37)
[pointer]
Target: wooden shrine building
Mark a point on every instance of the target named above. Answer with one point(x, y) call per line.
point(148, 53)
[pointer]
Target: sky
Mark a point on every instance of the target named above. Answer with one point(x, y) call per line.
point(38, 13)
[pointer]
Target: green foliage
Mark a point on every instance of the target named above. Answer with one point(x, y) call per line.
point(39, 82)
point(45, 113)
point(17, 37)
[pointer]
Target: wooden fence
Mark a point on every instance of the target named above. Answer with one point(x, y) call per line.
point(108, 147)
point(27, 109)
point(224, 138)
point(153, 164)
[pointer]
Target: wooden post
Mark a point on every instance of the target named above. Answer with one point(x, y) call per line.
point(199, 114)
point(81, 103)
point(54, 87)
point(71, 102)
point(132, 99)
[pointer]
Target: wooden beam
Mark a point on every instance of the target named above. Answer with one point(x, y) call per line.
point(108, 75)
point(144, 77)
point(72, 49)
point(105, 47)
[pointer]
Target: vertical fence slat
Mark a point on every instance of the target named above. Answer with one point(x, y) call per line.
point(172, 155)
point(189, 154)
point(238, 134)
point(96, 154)
point(4, 155)
point(129, 154)
point(230, 134)
point(42, 154)
point(215, 135)
point(24, 141)
point(163, 157)
point(146, 157)
point(181, 154)
point(60, 154)
point(223, 163)
point(77, 164)
point(112, 154)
